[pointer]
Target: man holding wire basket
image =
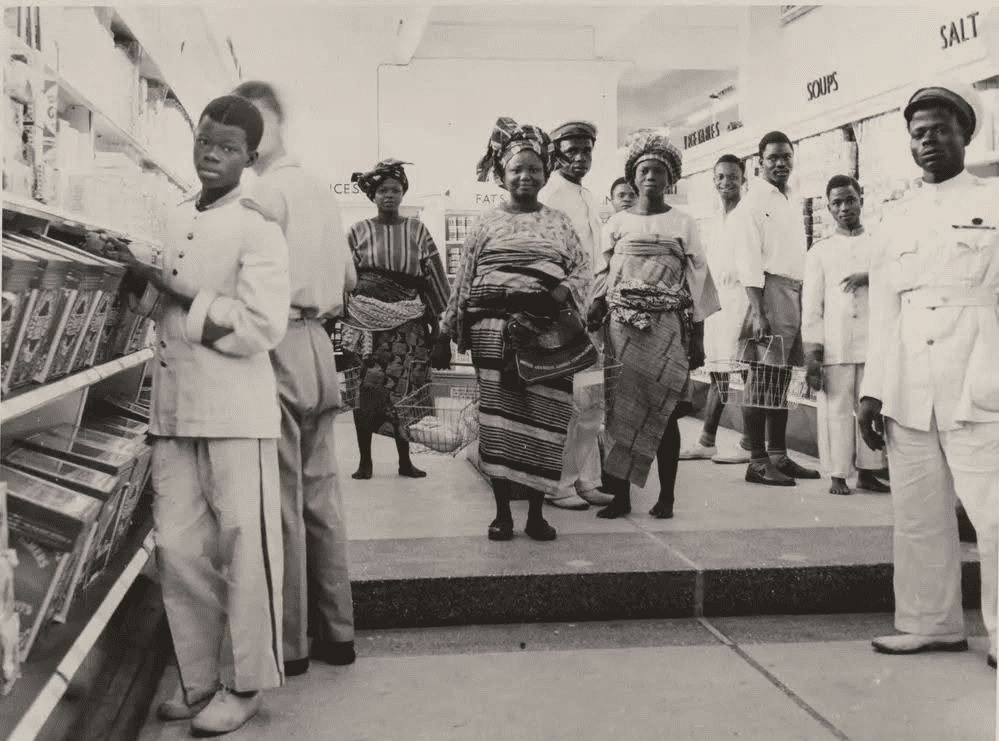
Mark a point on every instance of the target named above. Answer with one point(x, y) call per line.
point(769, 244)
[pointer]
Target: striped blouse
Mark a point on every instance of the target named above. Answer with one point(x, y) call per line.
point(406, 247)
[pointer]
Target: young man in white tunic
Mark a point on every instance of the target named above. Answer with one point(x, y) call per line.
point(834, 318)
point(721, 330)
point(931, 390)
point(574, 142)
point(221, 303)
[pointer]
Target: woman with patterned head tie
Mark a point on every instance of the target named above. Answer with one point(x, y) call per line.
point(391, 318)
point(652, 294)
point(522, 269)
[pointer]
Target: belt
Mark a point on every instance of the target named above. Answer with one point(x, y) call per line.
point(933, 297)
point(792, 283)
point(298, 314)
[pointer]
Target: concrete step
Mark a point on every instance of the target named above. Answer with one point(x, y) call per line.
point(420, 557)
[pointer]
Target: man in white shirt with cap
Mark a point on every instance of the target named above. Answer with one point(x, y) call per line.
point(931, 387)
point(574, 143)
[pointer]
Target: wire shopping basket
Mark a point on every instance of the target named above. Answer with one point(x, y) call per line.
point(440, 417)
point(751, 382)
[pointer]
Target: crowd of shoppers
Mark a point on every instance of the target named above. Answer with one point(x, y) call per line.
point(898, 333)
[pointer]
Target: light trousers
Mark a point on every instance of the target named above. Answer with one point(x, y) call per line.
point(317, 594)
point(842, 449)
point(928, 468)
point(217, 515)
point(581, 456)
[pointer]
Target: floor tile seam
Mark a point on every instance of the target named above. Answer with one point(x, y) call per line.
point(698, 569)
point(774, 680)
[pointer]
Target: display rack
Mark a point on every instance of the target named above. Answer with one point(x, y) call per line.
point(105, 127)
point(194, 73)
point(29, 400)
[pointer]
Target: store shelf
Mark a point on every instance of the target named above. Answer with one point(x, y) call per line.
point(104, 125)
point(31, 399)
point(53, 682)
point(30, 207)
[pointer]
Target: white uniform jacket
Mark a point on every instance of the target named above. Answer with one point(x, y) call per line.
point(831, 317)
point(934, 329)
point(237, 262)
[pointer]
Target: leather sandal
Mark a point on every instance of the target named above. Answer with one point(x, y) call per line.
point(501, 530)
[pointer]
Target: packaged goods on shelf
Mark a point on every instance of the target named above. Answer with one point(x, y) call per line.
point(114, 405)
point(10, 654)
point(138, 478)
point(54, 291)
point(107, 488)
point(128, 459)
point(55, 517)
point(21, 276)
point(37, 573)
point(85, 278)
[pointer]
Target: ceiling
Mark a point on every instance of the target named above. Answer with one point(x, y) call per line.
point(672, 57)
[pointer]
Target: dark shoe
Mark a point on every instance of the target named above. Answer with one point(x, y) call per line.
point(363, 472)
point(540, 530)
point(869, 482)
point(768, 474)
point(789, 468)
point(501, 530)
point(991, 661)
point(337, 653)
point(296, 667)
point(662, 511)
point(412, 472)
point(615, 510)
point(907, 643)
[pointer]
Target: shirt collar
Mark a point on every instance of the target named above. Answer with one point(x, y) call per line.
point(232, 195)
point(846, 233)
point(564, 182)
point(961, 179)
point(285, 161)
point(769, 187)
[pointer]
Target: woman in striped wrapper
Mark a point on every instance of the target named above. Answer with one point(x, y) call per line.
point(522, 264)
point(653, 291)
point(391, 318)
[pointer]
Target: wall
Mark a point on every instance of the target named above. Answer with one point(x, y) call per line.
point(848, 63)
point(438, 114)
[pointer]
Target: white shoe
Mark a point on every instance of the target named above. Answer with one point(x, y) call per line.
point(572, 501)
point(909, 643)
point(177, 708)
point(226, 712)
point(738, 454)
point(596, 498)
point(698, 452)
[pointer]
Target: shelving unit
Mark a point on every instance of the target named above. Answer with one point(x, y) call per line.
point(29, 400)
point(189, 65)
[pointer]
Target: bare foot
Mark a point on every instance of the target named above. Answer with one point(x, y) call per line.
point(839, 486)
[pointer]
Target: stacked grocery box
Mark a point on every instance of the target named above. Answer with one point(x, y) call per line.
point(73, 495)
point(62, 307)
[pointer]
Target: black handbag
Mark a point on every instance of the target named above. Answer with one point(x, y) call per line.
point(561, 351)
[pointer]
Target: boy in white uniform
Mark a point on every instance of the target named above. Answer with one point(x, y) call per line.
point(222, 304)
point(834, 331)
